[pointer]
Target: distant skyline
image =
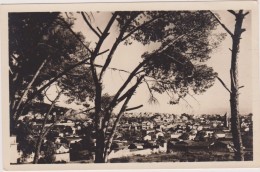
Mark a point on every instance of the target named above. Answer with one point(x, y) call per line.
point(214, 101)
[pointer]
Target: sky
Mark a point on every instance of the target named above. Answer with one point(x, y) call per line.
point(214, 101)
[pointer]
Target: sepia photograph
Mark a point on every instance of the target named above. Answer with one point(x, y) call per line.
point(130, 86)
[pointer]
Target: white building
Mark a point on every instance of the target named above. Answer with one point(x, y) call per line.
point(14, 154)
point(159, 134)
point(62, 153)
point(147, 137)
point(176, 135)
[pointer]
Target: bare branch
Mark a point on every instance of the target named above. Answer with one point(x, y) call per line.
point(121, 112)
point(130, 77)
point(222, 82)
point(186, 102)
point(133, 108)
point(99, 31)
point(241, 87)
point(126, 94)
point(115, 45)
point(103, 52)
point(194, 98)
point(152, 99)
point(246, 13)
point(232, 12)
point(242, 30)
point(224, 26)
point(89, 25)
point(137, 73)
point(48, 113)
point(45, 93)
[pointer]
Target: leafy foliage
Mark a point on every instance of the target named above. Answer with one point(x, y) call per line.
point(49, 151)
point(52, 41)
point(25, 138)
point(186, 40)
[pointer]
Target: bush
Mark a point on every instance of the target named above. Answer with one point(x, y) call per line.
point(119, 160)
point(248, 156)
point(139, 160)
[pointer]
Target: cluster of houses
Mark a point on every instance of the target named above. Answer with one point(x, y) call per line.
point(143, 134)
point(184, 133)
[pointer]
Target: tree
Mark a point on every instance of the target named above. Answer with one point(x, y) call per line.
point(184, 136)
point(184, 40)
point(25, 138)
point(49, 151)
point(201, 136)
point(44, 131)
point(55, 54)
point(38, 61)
point(234, 88)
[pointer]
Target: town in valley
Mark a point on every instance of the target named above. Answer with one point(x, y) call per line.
point(141, 137)
point(90, 86)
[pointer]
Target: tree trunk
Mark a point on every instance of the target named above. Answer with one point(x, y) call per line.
point(37, 150)
point(42, 132)
point(121, 112)
point(100, 135)
point(27, 89)
point(100, 145)
point(234, 95)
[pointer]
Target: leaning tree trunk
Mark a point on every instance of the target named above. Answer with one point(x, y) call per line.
point(234, 95)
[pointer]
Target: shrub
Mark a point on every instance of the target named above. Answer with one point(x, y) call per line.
point(118, 160)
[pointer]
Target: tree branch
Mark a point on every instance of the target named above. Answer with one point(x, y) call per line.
point(246, 13)
point(89, 25)
point(241, 87)
point(222, 82)
point(139, 27)
point(134, 108)
point(186, 102)
point(125, 95)
point(194, 98)
point(56, 78)
point(224, 26)
point(152, 99)
point(99, 31)
point(45, 93)
point(76, 36)
point(115, 45)
point(27, 88)
point(232, 12)
point(48, 113)
point(103, 52)
point(122, 110)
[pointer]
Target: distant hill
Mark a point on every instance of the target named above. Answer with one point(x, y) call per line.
point(70, 113)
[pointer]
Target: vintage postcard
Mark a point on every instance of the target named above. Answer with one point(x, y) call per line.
point(130, 85)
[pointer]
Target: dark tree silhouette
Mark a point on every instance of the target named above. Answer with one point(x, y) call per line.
point(185, 41)
point(38, 61)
